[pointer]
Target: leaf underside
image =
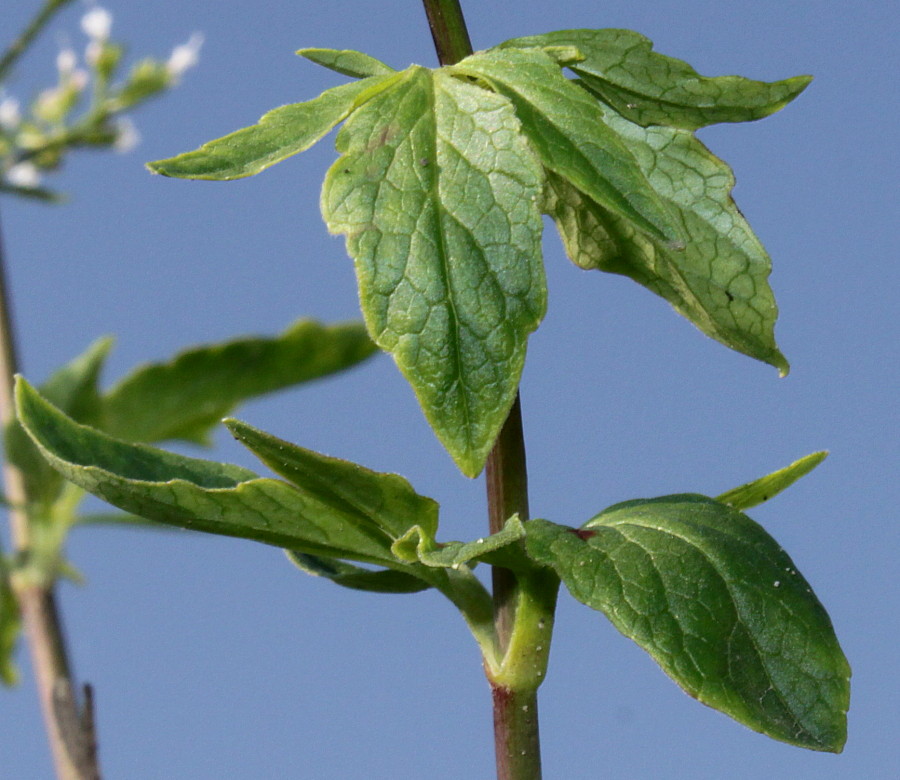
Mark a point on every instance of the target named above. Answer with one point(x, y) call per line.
point(719, 606)
point(279, 134)
point(437, 194)
point(648, 88)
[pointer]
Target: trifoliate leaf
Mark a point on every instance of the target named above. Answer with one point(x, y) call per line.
point(347, 62)
point(279, 134)
point(185, 397)
point(719, 280)
point(566, 127)
point(764, 488)
point(437, 193)
point(719, 606)
point(648, 88)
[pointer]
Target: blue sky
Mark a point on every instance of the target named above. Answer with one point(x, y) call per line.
point(214, 658)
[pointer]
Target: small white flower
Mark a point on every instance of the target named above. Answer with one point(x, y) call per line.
point(97, 23)
point(23, 175)
point(66, 61)
point(185, 56)
point(127, 135)
point(10, 114)
point(92, 52)
point(79, 79)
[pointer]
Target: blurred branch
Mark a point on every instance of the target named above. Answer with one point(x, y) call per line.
point(37, 24)
point(70, 728)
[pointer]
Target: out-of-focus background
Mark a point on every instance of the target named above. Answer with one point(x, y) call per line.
point(214, 658)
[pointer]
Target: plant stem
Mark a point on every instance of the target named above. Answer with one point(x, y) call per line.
point(448, 29)
point(18, 47)
point(523, 606)
point(70, 729)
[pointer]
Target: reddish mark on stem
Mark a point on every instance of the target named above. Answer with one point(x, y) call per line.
point(582, 533)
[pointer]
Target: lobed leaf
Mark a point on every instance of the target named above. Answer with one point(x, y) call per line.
point(566, 127)
point(347, 62)
point(198, 494)
point(279, 134)
point(185, 397)
point(719, 280)
point(648, 88)
point(719, 606)
point(436, 192)
point(764, 488)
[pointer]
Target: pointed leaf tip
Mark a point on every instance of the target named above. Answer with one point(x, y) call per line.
point(437, 194)
point(719, 606)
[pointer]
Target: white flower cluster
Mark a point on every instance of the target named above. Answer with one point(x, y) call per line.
point(48, 113)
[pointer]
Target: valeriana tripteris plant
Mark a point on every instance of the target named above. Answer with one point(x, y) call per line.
point(440, 186)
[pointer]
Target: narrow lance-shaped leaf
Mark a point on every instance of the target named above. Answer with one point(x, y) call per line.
point(648, 88)
point(185, 397)
point(386, 501)
point(347, 62)
point(717, 603)
point(279, 134)
point(764, 488)
point(437, 194)
point(198, 494)
point(566, 127)
point(719, 281)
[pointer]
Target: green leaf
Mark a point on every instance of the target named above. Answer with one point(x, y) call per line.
point(198, 494)
point(356, 577)
point(437, 194)
point(347, 62)
point(719, 281)
point(278, 134)
point(719, 606)
point(764, 488)
point(419, 545)
point(566, 127)
point(185, 397)
point(73, 388)
point(33, 193)
point(383, 501)
point(10, 626)
point(621, 68)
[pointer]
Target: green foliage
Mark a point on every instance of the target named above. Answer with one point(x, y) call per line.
point(10, 625)
point(186, 396)
point(347, 62)
point(73, 388)
point(437, 194)
point(717, 603)
point(764, 488)
point(443, 172)
point(279, 134)
point(648, 88)
point(567, 128)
